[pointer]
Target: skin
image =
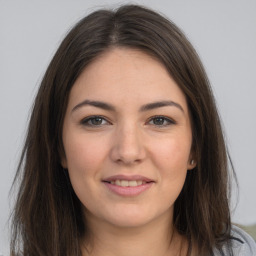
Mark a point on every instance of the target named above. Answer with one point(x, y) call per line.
point(128, 141)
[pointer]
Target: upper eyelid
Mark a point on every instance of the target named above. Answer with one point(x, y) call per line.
point(92, 117)
point(148, 120)
point(161, 116)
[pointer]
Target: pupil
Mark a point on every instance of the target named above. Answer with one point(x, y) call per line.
point(158, 121)
point(96, 120)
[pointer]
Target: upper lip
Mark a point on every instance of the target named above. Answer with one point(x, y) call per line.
point(127, 177)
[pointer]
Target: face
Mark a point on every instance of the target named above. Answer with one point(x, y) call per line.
point(127, 139)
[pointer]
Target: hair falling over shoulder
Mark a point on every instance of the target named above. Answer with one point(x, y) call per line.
point(48, 218)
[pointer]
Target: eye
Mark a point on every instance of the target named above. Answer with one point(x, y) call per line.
point(94, 121)
point(161, 121)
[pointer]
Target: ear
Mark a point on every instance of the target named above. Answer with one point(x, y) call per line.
point(191, 162)
point(62, 158)
point(63, 162)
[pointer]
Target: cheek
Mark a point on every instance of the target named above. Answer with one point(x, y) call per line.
point(171, 159)
point(172, 154)
point(81, 156)
point(84, 162)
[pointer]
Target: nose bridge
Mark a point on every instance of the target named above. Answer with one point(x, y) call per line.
point(128, 144)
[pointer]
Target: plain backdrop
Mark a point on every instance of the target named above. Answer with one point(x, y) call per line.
point(223, 33)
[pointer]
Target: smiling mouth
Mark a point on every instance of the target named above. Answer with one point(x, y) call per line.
point(128, 188)
point(128, 183)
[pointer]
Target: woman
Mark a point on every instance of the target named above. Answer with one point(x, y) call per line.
point(124, 153)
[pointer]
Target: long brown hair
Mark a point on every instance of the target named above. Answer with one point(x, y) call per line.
point(47, 219)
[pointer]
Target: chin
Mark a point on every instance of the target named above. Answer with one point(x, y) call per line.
point(130, 218)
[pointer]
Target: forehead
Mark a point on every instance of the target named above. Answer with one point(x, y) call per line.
point(126, 76)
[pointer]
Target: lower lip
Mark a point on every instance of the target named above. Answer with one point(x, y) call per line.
point(128, 191)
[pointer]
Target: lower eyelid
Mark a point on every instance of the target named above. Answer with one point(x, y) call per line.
point(86, 121)
point(169, 120)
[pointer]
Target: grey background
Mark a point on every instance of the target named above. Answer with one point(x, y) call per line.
point(223, 32)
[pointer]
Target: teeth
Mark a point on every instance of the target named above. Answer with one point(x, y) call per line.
point(132, 183)
point(124, 183)
point(127, 183)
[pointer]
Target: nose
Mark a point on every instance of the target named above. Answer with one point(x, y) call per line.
point(128, 146)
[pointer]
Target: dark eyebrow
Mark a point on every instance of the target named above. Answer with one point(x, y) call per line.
point(109, 107)
point(160, 104)
point(98, 104)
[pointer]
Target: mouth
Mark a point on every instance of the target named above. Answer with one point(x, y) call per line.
point(128, 185)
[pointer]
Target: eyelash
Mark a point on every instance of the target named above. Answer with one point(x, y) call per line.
point(88, 121)
point(165, 119)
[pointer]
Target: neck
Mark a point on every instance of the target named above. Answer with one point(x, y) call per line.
point(155, 238)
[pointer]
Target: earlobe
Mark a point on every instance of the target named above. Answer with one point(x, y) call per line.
point(63, 162)
point(62, 158)
point(191, 164)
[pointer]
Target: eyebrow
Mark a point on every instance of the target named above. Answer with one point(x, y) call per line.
point(160, 104)
point(94, 103)
point(146, 107)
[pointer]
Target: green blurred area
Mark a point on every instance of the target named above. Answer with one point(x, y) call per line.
point(251, 230)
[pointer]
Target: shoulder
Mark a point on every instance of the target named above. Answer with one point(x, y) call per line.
point(241, 244)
